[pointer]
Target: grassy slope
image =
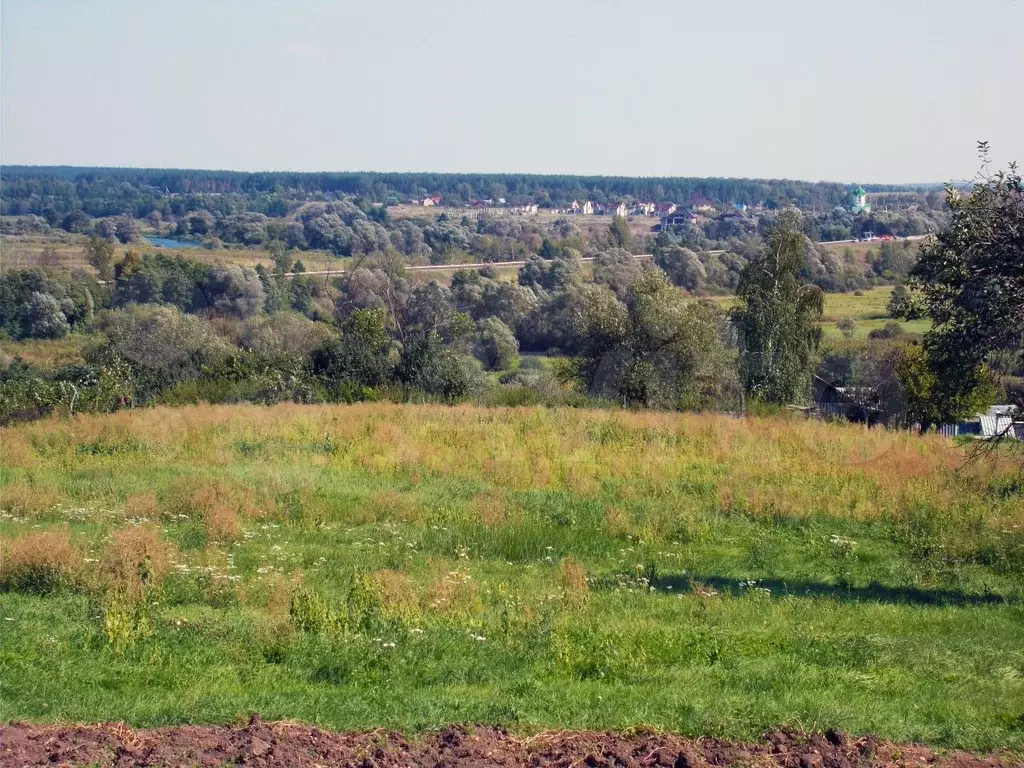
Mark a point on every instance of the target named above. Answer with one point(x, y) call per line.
point(463, 517)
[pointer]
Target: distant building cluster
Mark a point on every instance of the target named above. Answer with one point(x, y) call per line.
point(669, 214)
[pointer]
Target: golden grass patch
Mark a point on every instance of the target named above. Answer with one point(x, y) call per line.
point(572, 577)
point(25, 499)
point(396, 596)
point(135, 559)
point(392, 505)
point(40, 561)
point(222, 524)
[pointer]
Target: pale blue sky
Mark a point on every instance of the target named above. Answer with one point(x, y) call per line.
point(870, 91)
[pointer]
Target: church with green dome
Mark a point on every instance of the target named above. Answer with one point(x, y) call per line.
point(860, 201)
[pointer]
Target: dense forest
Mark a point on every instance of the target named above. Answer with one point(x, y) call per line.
point(137, 191)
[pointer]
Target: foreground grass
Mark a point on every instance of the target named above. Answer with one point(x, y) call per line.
point(398, 566)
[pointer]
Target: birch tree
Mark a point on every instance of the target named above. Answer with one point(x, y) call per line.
point(778, 319)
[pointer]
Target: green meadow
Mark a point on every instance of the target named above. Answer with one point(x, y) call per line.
point(405, 567)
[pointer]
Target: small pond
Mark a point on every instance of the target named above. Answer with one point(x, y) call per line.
point(168, 242)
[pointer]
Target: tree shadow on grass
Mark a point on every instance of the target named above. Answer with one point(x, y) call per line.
point(871, 593)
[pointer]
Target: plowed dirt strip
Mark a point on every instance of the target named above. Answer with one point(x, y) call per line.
point(288, 744)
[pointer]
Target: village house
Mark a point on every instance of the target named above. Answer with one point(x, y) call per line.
point(523, 210)
point(679, 217)
point(429, 201)
point(665, 209)
point(857, 404)
point(644, 209)
point(863, 405)
point(997, 421)
point(611, 209)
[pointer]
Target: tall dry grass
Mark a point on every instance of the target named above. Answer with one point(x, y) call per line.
point(40, 562)
point(136, 559)
point(755, 466)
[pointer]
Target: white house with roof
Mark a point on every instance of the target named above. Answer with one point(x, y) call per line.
point(615, 209)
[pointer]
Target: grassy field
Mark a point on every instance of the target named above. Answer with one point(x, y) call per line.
point(409, 566)
point(867, 310)
point(67, 253)
point(47, 352)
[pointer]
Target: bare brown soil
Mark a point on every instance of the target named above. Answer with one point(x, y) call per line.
point(289, 744)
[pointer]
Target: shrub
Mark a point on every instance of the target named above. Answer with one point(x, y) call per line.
point(430, 366)
point(235, 291)
point(39, 562)
point(44, 318)
point(283, 334)
point(847, 326)
point(310, 612)
point(161, 340)
point(890, 330)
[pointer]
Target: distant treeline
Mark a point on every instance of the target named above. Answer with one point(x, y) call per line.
point(131, 191)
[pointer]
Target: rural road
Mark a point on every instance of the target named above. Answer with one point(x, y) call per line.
point(448, 267)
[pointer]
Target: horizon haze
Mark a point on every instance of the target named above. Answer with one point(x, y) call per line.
point(864, 93)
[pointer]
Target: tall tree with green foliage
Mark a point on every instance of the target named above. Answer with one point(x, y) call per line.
point(971, 278)
point(100, 254)
point(655, 349)
point(619, 234)
point(778, 319)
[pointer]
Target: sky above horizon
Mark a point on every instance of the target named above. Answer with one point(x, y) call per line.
point(870, 91)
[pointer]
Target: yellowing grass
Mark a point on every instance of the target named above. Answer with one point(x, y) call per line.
point(788, 467)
